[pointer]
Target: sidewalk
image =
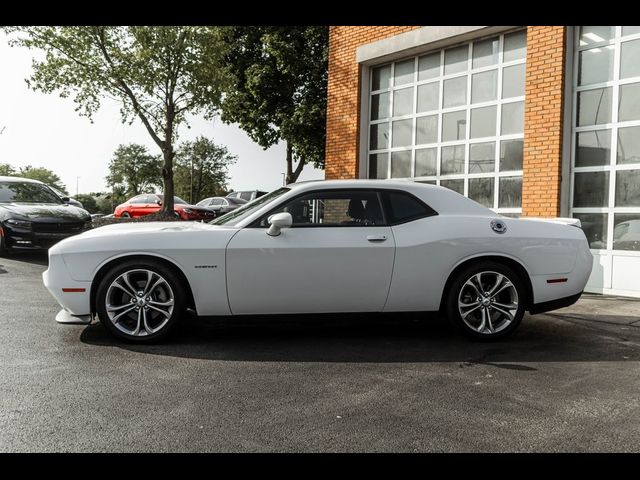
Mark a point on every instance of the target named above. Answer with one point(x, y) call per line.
point(604, 308)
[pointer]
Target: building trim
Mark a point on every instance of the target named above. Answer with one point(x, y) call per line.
point(567, 137)
point(421, 40)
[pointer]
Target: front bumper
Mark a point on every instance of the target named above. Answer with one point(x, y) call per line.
point(29, 240)
point(72, 295)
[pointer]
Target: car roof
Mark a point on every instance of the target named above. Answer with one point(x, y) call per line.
point(19, 180)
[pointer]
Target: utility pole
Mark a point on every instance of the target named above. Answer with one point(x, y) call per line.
point(77, 183)
point(191, 191)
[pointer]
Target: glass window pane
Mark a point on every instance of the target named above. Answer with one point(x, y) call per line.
point(512, 118)
point(594, 226)
point(510, 192)
point(595, 65)
point(597, 34)
point(429, 66)
point(628, 145)
point(401, 164)
point(452, 160)
point(628, 188)
point(484, 86)
point(485, 52)
point(455, 92)
point(456, 185)
point(515, 46)
point(593, 148)
point(380, 106)
point(629, 55)
point(481, 190)
point(511, 155)
point(454, 126)
point(428, 182)
point(629, 102)
point(513, 81)
point(379, 137)
point(378, 165)
point(402, 133)
point(482, 157)
point(630, 30)
point(426, 129)
point(626, 231)
point(403, 72)
point(426, 162)
point(455, 60)
point(483, 122)
point(594, 106)
point(381, 77)
point(591, 189)
point(428, 97)
point(403, 102)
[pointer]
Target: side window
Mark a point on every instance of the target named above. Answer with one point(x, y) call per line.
point(403, 207)
point(246, 196)
point(138, 199)
point(217, 201)
point(333, 209)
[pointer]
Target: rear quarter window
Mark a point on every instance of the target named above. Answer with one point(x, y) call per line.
point(403, 207)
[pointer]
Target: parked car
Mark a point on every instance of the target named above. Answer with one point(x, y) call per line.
point(66, 198)
point(221, 205)
point(626, 235)
point(322, 247)
point(33, 217)
point(247, 195)
point(148, 203)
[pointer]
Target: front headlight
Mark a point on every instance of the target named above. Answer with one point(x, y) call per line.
point(188, 210)
point(19, 223)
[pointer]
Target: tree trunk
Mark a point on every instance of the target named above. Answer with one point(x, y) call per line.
point(167, 179)
point(292, 175)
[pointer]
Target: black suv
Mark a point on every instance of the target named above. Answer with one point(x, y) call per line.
point(33, 217)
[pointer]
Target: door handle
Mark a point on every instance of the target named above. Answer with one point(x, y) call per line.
point(377, 238)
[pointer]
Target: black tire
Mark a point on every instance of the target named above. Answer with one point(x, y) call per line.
point(3, 248)
point(460, 290)
point(137, 276)
point(125, 215)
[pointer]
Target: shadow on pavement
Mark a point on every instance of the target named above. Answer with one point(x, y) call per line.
point(367, 338)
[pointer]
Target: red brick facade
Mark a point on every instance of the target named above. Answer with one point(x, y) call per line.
point(543, 110)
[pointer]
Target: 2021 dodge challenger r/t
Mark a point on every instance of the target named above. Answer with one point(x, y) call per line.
point(322, 247)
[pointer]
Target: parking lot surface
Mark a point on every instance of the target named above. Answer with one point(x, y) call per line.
point(565, 381)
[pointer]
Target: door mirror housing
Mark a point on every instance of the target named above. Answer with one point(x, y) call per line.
point(279, 221)
point(65, 199)
point(159, 202)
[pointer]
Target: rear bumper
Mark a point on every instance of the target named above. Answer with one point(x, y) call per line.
point(554, 304)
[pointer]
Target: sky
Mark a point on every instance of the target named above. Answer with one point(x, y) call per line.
point(44, 130)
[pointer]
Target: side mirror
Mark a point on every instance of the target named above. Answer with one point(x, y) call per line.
point(278, 222)
point(65, 199)
point(159, 202)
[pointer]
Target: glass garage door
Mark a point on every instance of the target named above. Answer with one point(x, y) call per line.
point(606, 153)
point(453, 117)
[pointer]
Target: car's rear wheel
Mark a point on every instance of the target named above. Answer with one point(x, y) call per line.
point(125, 215)
point(140, 301)
point(486, 301)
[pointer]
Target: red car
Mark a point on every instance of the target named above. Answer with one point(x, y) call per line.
point(148, 203)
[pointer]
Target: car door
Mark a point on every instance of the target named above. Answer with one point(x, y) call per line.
point(137, 204)
point(336, 257)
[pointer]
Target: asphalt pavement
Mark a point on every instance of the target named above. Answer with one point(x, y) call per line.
point(565, 381)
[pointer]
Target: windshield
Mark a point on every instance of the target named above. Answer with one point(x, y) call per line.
point(18, 192)
point(234, 217)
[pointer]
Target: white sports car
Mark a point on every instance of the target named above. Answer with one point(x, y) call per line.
point(320, 247)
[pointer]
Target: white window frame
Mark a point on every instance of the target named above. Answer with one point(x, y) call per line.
point(496, 174)
point(614, 125)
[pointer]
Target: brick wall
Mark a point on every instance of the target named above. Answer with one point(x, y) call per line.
point(343, 95)
point(543, 110)
point(543, 115)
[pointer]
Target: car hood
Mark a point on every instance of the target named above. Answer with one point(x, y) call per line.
point(127, 228)
point(43, 211)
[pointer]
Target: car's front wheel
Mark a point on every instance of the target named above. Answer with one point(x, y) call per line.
point(125, 215)
point(3, 246)
point(140, 301)
point(486, 301)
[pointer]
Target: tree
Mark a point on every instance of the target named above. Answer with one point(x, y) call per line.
point(134, 170)
point(158, 74)
point(278, 89)
point(201, 169)
point(43, 175)
point(88, 202)
point(7, 170)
